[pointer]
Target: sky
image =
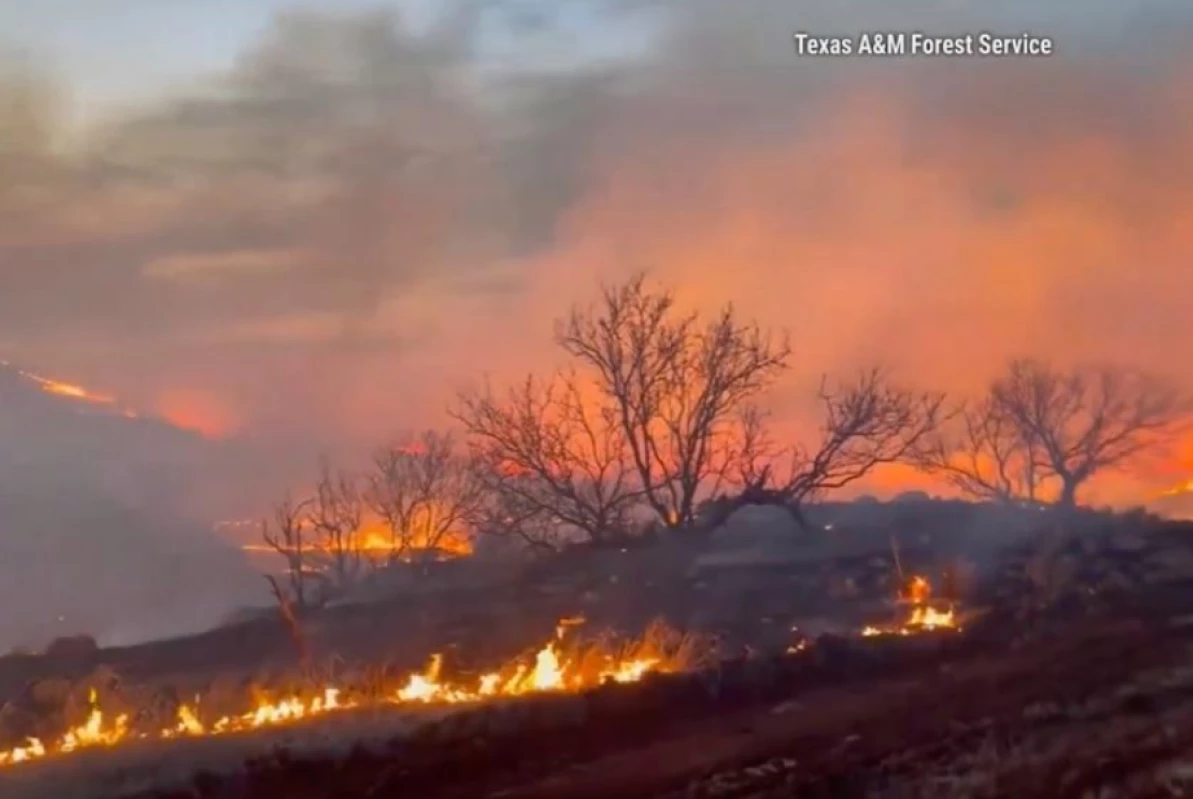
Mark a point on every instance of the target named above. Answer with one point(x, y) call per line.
point(113, 53)
point(318, 227)
point(306, 232)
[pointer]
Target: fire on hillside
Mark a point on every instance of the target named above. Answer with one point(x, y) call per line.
point(557, 666)
point(72, 391)
point(924, 616)
point(554, 667)
point(1185, 487)
point(375, 542)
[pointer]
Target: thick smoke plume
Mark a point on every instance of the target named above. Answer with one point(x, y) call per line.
point(322, 242)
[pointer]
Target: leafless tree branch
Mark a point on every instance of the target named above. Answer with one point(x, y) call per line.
point(337, 513)
point(1088, 419)
point(676, 384)
point(289, 534)
point(865, 423)
point(426, 491)
point(986, 455)
point(551, 457)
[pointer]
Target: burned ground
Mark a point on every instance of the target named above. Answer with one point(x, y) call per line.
point(1108, 703)
point(1074, 670)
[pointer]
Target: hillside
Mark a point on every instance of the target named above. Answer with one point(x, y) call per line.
point(94, 532)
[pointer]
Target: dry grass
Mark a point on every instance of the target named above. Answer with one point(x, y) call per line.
point(1098, 748)
point(674, 650)
point(143, 764)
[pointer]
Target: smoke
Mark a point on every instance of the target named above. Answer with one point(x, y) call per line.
point(324, 240)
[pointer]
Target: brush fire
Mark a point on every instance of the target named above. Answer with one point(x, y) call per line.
point(924, 616)
point(1185, 487)
point(73, 391)
point(68, 390)
point(553, 668)
point(875, 393)
point(378, 543)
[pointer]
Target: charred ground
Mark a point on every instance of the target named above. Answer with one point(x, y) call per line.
point(1073, 666)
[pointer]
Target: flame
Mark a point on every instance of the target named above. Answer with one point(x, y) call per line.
point(928, 618)
point(92, 732)
point(375, 541)
point(67, 389)
point(1181, 488)
point(799, 646)
point(923, 618)
point(918, 590)
point(551, 670)
point(73, 391)
point(78, 392)
point(198, 411)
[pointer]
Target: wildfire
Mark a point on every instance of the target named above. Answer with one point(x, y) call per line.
point(923, 618)
point(1181, 488)
point(377, 542)
point(67, 389)
point(73, 391)
point(919, 590)
point(551, 670)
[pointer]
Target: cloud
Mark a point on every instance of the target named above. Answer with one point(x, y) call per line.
point(354, 218)
point(200, 265)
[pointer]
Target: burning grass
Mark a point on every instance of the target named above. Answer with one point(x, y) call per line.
point(924, 615)
point(923, 619)
point(566, 663)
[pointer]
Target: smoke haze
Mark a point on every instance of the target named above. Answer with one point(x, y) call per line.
point(316, 245)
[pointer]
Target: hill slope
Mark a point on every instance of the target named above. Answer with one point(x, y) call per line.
point(93, 533)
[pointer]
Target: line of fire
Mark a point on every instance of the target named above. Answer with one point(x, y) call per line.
point(596, 399)
point(649, 448)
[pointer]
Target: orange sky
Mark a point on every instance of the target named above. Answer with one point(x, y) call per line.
point(941, 242)
point(937, 217)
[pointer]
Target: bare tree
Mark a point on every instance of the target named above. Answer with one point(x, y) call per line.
point(1087, 420)
point(425, 490)
point(866, 423)
point(551, 458)
point(512, 511)
point(337, 513)
point(676, 383)
point(987, 455)
point(289, 534)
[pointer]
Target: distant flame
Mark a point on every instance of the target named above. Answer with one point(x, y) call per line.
point(75, 392)
point(1181, 488)
point(197, 411)
point(375, 540)
point(68, 389)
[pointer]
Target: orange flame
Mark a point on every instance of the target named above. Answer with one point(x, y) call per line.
point(75, 392)
point(923, 618)
point(551, 671)
point(918, 590)
point(198, 411)
point(1180, 488)
point(375, 541)
point(68, 389)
